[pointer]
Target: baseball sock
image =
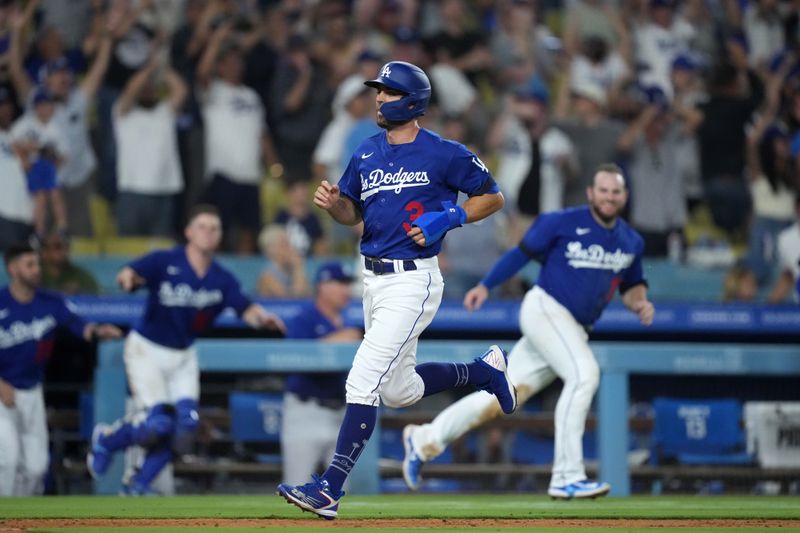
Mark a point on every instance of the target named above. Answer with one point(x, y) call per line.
point(155, 459)
point(359, 421)
point(440, 377)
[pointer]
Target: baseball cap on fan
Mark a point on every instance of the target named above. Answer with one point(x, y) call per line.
point(332, 271)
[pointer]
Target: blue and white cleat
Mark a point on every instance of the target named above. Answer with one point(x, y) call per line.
point(315, 497)
point(412, 463)
point(98, 459)
point(580, 489)
point(137, 489)
point(496, 360)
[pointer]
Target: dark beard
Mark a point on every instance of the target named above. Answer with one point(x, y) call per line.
point(608, 220)
point(387, 124)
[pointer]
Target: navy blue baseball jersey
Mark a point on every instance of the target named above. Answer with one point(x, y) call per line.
point(311, 324)
point(27, 334)
point(583, 263)
point(393, 184)
point(180, 305)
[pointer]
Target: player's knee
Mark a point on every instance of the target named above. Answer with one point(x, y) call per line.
point(397, 400)
point(158, 425)
point(187, 417)
point(590, 379)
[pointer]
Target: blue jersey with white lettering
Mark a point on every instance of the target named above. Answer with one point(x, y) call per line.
point(312, 324)
point(27, 335)
point(393, 184)
point(180, 305)
point(584, 263)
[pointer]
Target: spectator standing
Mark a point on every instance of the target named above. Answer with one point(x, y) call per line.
point(16, 203)
point(148, 164)
point(235, 140)
point(318, 399)
point(28, 324)
point(38, 141)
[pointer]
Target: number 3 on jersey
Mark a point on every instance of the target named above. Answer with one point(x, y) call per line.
point(415, 210)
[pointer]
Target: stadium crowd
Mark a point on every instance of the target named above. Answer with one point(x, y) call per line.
point(151, 106)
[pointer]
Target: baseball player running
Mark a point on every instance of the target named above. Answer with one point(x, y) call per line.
point(187, 289)
point(29, 317)
point(587, 253)
point(403, 184)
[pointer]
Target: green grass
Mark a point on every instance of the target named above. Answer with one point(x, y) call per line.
point(406, 506)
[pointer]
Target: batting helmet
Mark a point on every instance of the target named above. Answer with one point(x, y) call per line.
point(408, 79)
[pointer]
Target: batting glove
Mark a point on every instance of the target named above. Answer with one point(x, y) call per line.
point(436, 223)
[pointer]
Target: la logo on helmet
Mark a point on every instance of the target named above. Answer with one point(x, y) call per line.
point(386, 71)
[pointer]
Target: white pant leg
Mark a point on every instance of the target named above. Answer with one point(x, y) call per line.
point(563, 344)
point(33, 439)
point(9, 448)
point(528, 372)
point(144, 369)
point(183, 380)
point(397, 309)
point(308, 437)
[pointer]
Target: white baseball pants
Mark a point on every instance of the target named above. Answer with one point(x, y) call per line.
point(397, 309)
point(23, 444)
point(553, 344)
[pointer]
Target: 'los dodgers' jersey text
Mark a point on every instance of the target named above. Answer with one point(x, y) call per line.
point(180, 305)
point(27, 334)
point(393, 184)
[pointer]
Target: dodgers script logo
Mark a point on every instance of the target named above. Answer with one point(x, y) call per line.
point(595, 256)
point(381, 180)
point(20, 332)
point(182, 295)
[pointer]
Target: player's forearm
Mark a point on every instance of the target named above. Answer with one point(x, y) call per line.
point(480, 207)
point(345, 212)
point(633, 296)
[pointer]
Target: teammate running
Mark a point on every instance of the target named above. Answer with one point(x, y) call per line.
point(187, 289)
point(587, 253)
point(403, 184)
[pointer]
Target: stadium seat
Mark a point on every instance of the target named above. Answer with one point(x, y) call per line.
point(699, 432)
point(256, 418)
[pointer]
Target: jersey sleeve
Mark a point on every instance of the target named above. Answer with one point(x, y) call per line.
point(540, 236)
point(233, 296)
point(148, 266)
point(468, 174)
point(350, 183)
point(634, 274)
point(68, 318)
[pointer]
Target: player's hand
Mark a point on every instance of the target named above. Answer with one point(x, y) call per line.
point(326, 195)
point(417, 236)
point(128, 280)
point(475, 297)
point(645, 310)
point(7, 394)
point(259, 318)
point(101, 331)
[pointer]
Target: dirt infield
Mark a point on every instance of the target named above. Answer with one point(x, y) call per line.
point(7, 526)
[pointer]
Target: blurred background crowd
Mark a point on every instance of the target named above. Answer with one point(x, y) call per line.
point(116, 116)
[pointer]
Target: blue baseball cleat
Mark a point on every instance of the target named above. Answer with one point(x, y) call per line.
point(412, 463)
point(580, 489)
point(98, 459)
point(315, 497)
point(496, 360)
point(133, 488)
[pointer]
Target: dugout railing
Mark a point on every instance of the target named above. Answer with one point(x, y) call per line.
point(618, 360)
